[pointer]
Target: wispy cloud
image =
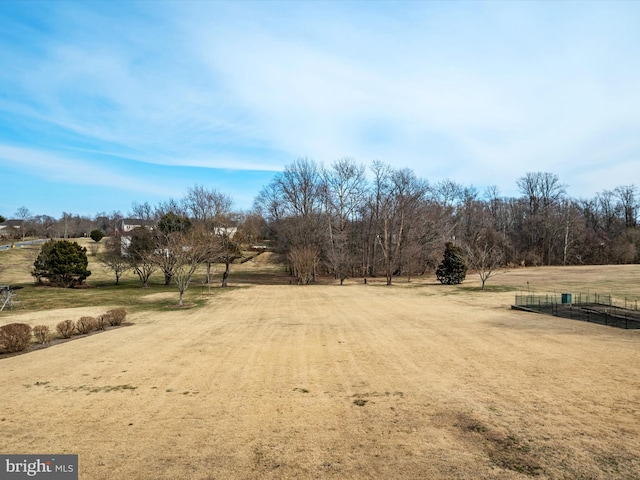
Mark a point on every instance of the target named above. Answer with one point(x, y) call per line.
point(478, 92)
point(62, 169)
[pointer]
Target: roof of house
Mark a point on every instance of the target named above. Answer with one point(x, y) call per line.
point(136, 221)
point(11, 223)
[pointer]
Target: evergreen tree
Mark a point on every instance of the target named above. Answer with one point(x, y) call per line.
point(96, 235)
point(64, 263)
point(453, 268)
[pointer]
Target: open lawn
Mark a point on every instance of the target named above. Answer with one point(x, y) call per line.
point(271, 380)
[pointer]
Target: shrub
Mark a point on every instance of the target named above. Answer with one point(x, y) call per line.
point(86, 324)
point(116, 316)
point(101, 322)
point(66, 328)
point(15, 337)
point(42, 334)
point(96, 235)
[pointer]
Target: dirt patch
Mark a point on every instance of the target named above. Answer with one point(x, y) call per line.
point(505, 450)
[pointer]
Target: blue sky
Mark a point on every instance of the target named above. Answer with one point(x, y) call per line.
point(106, 103)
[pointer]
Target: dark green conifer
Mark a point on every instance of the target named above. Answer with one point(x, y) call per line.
point(453, 268)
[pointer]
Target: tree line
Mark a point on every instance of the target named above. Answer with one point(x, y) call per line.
point(348, 221)
point(340, 220)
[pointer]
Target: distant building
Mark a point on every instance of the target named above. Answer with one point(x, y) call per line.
point(126, 227)
point(129, 224)
point(10, 228)
point(225, 231)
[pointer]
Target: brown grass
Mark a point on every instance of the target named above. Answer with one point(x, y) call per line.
point(411, 381)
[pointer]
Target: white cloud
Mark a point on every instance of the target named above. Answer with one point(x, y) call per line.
point(478, 92)
point(60, 169)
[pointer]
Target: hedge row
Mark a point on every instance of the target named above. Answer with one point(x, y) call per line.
point(15, 337)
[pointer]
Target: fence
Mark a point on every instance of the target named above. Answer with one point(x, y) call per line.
point(589, 307)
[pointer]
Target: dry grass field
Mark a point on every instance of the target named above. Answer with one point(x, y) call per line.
point(412, 381)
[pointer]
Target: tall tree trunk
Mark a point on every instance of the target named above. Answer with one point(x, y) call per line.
point(225, 275)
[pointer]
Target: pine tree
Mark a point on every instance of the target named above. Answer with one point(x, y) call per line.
point(64, 263)
point(453, 268)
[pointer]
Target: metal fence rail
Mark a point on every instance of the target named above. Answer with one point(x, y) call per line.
point(589, 307)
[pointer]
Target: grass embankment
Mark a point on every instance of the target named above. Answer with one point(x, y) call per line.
point(99, 289)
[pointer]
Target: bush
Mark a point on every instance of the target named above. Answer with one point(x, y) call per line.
point(96, 235)
point(101, 322)
point(66, 328)
point(453, 268)
point(15, 337)
point(116, 316)
point(86, 324)
point(42, 334)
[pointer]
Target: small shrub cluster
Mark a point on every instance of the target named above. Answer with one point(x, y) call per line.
point(115, 317)
point(15, 337)
point(42, 334)
point(86, 324)
point(101, 322)
point(66, 328)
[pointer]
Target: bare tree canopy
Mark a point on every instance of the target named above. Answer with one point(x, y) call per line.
point(380, 221)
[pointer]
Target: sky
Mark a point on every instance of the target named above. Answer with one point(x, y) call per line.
point(107, 103)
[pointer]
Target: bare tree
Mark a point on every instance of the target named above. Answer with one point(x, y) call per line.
point(543, 192)
point(164, 259)
point(344, 193)
point(114, 221)
point(142, 211)
point(380, 217)
point(293, 204)
point(485, 254)
point(43, 225)
point(299, 187)
point(252, 229)
point(229, 251)
point(397, 196)
point(409, 191)
point(169, 224)
point(141, 254)
point(24, 215)
point(113, 260)
point(629, 203)
point(269, 202)
point(208, 207)
point(447, 193)
point(541, 189)
point(211, 210)
point(189, 250)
